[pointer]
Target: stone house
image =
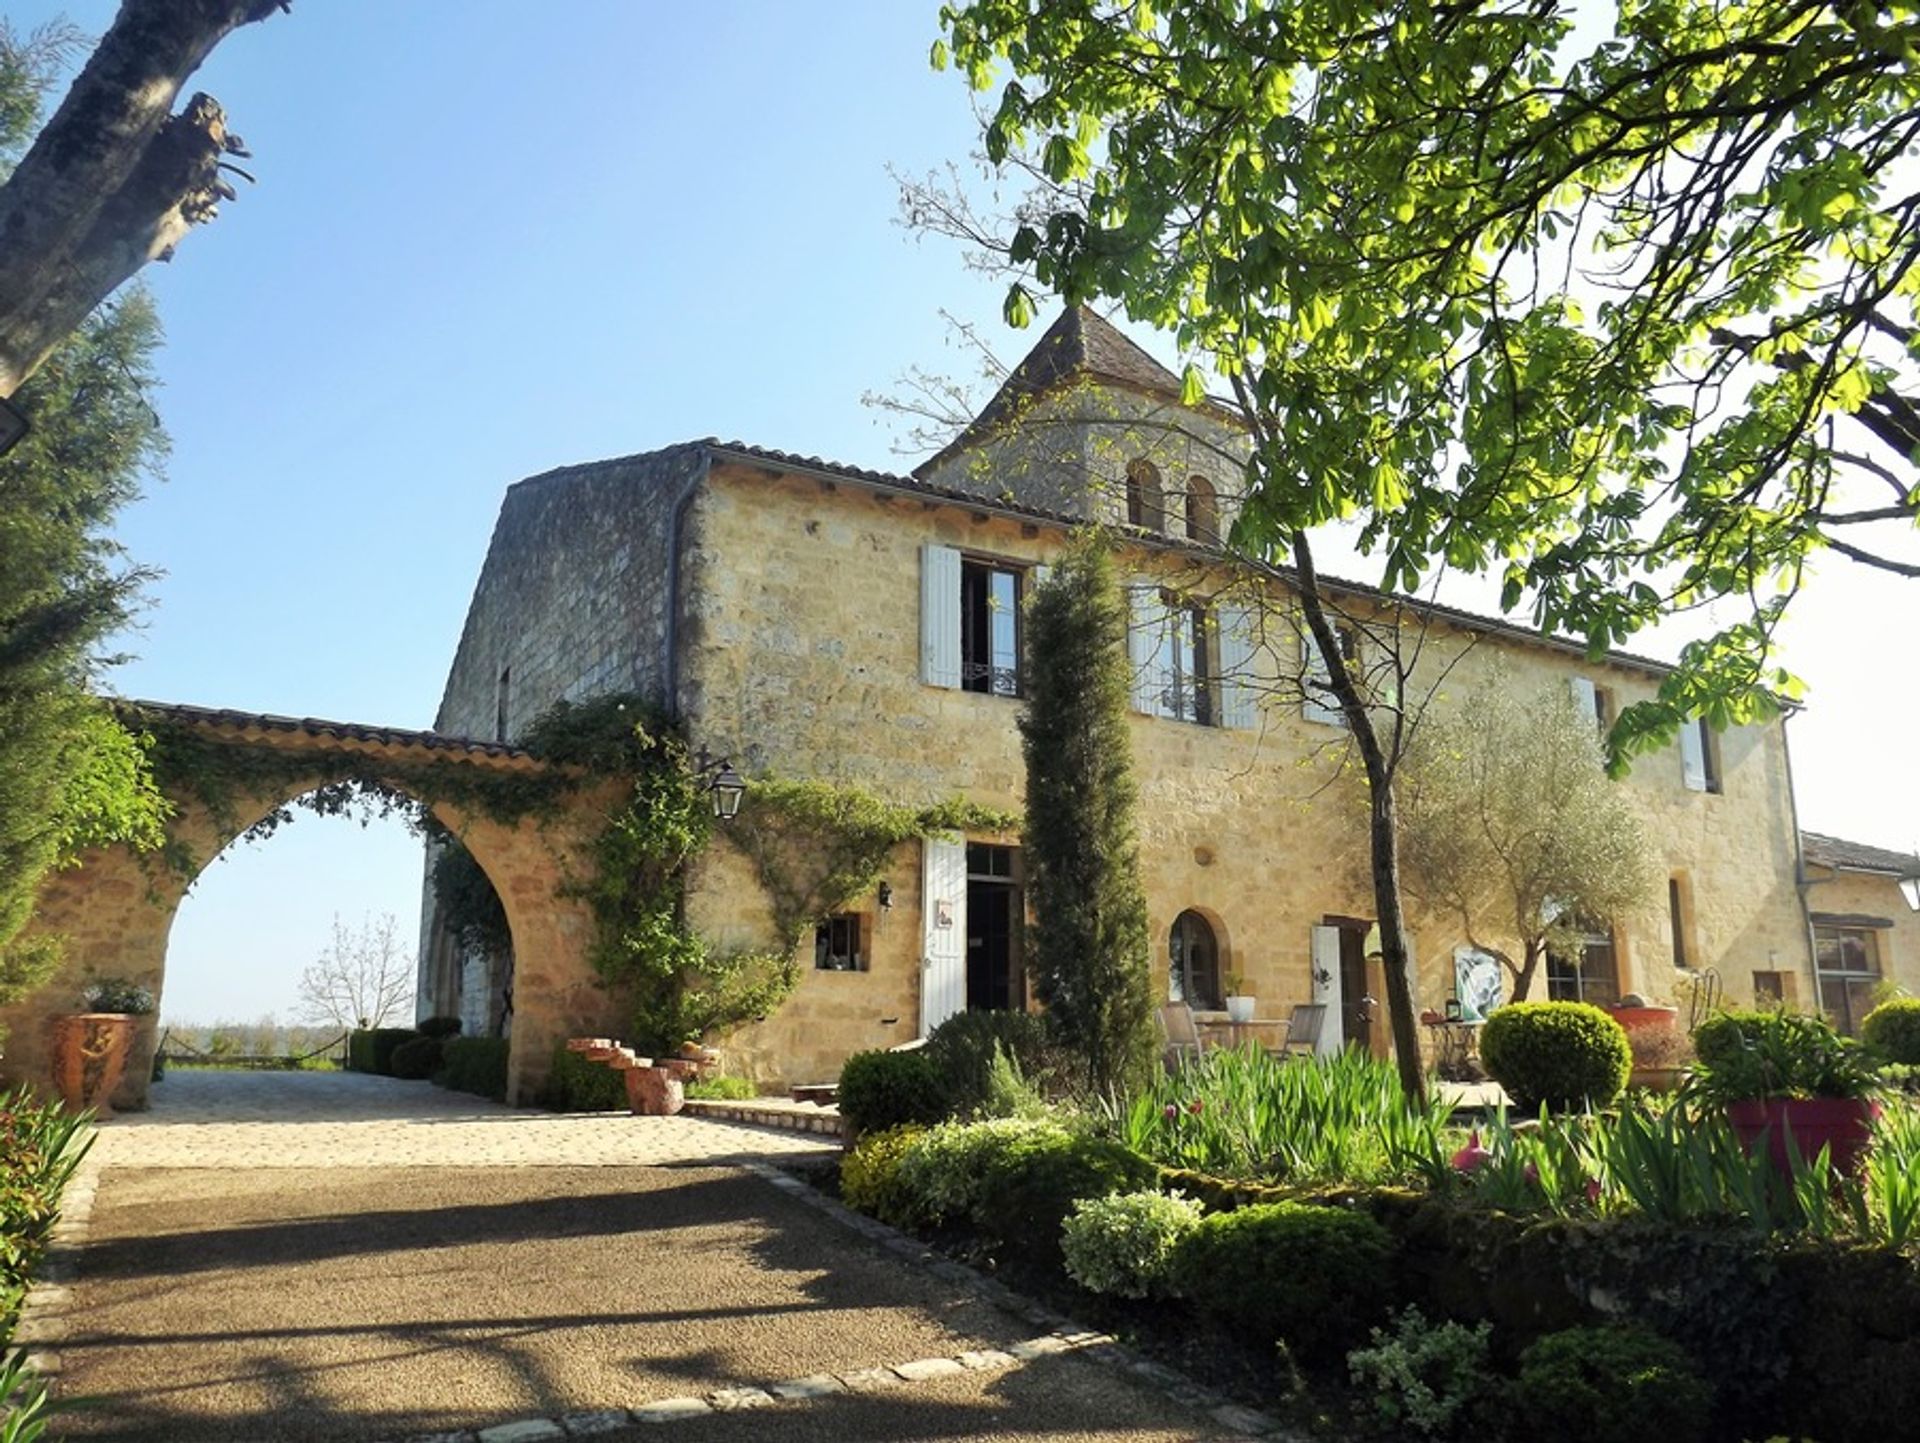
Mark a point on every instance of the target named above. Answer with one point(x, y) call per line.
point(810, 619)
point(1863, 904)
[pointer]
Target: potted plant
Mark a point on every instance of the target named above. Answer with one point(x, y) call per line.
point(1787, 1076)
point(90, 1047)
point(1660, 1049)
point(1240, 1002)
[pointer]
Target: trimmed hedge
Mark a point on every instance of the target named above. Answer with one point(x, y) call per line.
point(371, 1049)
point(416, 1059)
point(1561, 1055)
point(962, 1049)
point(883, 1089)
point(1616, 1384)
point(439, 1027)
point(1893, 1030)
point(1033, 1182)
point(577, 1085)
point(1312, 1277)
point(870, 1179)
point(474, 1064)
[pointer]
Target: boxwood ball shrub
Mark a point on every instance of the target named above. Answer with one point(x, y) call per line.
point(1125, 1244)
point(962, 1049)
point(882, 1089)
point(1561, 1055)
point(371, 1049)
point(945, 1169)
point(1311, 1277)
point(870, 1177)
point(1031, 1185)
point(1893, 1030)
point(416, 1059)
point(1617, 1384)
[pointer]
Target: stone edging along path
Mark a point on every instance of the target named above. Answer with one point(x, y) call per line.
point(43, 1324)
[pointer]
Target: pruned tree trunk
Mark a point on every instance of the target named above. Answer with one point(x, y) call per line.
point(115, 178)
point(1382, 825)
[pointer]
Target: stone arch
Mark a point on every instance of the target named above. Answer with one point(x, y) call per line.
point(117, 910)
point(1203, 511)
point(1146, 497)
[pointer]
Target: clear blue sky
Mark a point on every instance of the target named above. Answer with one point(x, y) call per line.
point(493, 238)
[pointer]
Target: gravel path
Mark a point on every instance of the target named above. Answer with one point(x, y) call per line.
point(383, 1260)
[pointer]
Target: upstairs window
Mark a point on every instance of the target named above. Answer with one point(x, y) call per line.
point(1593, 702)
point(1146, 498)
point(1680, 919)
point(1700, 756)
point(836, 945)
point(1317, 701)
point(1171, 643)
point(1203, 512)
point(989, 628)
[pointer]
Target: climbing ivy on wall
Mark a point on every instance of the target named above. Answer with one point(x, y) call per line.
point(814, 846)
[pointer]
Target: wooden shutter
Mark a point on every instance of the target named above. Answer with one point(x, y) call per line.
point(940, 616)
point(1314, 680)
point(943, 957)
point(1235, 631)
point(1693, 756)
point(1037, 577)
point(1147, 647)
point(1328, 990)
point(1586, 699)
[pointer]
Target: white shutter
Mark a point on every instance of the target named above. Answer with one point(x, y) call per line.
point(1237, 708)
point(1693, 757)
point(1037, 577)
point(1586, 700)
point(1315, 684)
point(940, 616)
point(943, 928)
point(1328, 990)
point(1147, 648)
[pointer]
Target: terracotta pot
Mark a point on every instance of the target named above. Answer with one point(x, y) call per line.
point(653, 1092)
point(1656, 1079)
point(1632, 1017)
point(1840, 1124)
point(90, 1055)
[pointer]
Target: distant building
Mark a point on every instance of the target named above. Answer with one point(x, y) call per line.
point(1863, 904)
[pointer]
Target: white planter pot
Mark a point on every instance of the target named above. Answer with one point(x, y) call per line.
point(1240, 1009)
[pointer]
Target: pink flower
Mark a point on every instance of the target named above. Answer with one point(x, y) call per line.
point(1196, 1106)
point(1593, 1189)
point(1531, 1173)
point(1171, 1112)
point(1473, 1156)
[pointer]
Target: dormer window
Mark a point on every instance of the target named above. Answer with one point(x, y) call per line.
point(1203, 512)
point(1146, 498)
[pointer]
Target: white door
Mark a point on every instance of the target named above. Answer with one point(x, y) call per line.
point(943, 927)
point(1328, 991)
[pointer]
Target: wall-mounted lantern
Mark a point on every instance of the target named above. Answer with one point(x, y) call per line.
point(725, 786)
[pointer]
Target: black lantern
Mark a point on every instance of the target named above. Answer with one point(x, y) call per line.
point(727, 787)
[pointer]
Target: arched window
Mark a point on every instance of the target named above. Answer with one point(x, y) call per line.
point(1146, 501)
point(1203, 511)
point(1193, 963)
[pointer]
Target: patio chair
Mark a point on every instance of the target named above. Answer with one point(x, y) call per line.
point(1181, 1037)
point(1303, 1030)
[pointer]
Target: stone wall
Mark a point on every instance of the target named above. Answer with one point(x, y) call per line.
point(803, 660)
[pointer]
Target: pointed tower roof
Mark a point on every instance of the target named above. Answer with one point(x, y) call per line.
point(1080, 344)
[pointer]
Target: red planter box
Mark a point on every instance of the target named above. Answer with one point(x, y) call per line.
point(1840, 1124)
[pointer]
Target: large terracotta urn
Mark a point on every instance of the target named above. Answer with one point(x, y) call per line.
point(89, 1056)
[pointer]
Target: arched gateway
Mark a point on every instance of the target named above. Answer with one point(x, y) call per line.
point(116, 909)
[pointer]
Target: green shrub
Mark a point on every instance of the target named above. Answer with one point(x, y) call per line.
point(885, 1089)
point(1424, 1376)
point(1893, 1030)
point(722, 1089)
point(578, 1085)
point(1561, 1055)
point(870, 1177)
point(1032, 1183)
point(1777, 1054)
point(946, 1167)
point(416, 1059)
point(475, 1064)
point(1311, 1277)
point(962, 1051)
point(41, 1144)
point(371, 1049)
point(1125, 1244)
point(439, 1027)
point(1615, 1384)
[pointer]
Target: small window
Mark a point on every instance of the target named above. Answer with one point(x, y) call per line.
point(989, 628)
point(1193, 963)
point(1203, 511)
point(1591, 975)
point(1848, 961)
point(1680, 919)
point(1769, 989)
point(836, 945)
point(1700, 756)
point(501, 699)
point(1146, 498)
point(985, 860)
point(1186, 691)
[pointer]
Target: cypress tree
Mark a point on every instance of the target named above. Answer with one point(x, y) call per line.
point(1088, 948)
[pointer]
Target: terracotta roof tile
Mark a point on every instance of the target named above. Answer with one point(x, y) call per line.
point(1825, 851)
point(399, 738)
